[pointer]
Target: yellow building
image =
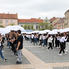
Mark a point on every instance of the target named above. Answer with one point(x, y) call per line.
point(8, 19)
point(66, 23)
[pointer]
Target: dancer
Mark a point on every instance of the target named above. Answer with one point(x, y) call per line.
point(1, 49)
point(62, 40)
point(19, 47)
point(50, 41)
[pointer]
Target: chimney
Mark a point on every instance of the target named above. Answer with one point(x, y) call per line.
point(39, 18)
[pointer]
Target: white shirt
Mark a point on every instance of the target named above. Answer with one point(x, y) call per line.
point(62, 39)
point(50, 39)
point(58, 38)
point(32, 36)
point(40, 37)
point(43, 37)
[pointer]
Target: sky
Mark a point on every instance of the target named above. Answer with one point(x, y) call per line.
point(27, 9)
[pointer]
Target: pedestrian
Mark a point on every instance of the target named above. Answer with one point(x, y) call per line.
point(41, 40)
point(35, 39)
point(50, 41)
point(1, 49)
point(19, 47)
point(62, 40)
point(45, 40)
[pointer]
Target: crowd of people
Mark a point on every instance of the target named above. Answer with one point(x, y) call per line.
point(60, 40)
point(14, 42)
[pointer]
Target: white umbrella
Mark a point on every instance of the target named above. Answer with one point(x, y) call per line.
point(66, 30)
point(47, 30)
point(61, 30)
point(52, 32)
point(37, 31)
point(42, 32)
point(15, 27)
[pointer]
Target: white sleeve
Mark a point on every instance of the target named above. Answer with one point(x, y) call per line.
point(65, 39)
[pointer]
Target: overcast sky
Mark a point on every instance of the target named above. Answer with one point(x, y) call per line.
point(27, 9)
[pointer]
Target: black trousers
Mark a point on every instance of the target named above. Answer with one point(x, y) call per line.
point(57, 43)
point(53, 43)
point(32, 40)
point(50, 46)
point(64, 45)
point(62, 48)
point(41, 41)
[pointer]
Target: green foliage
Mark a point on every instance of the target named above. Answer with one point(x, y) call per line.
point(1, 26)
point(45, 25)
point(11, 24)
point(25, 26)
point(32, 27)
point(51, 27)
point(28, 26)
point(21, 25)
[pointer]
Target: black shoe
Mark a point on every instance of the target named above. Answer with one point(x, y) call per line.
point(18, 62)
point(5, 60)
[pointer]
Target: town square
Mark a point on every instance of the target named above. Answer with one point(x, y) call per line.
point(34, 34)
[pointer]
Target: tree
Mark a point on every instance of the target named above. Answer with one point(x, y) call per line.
point(45, 25)
point(32, 27)
point(1, 26)
point(21, 25)
point(41, 25)
point(28, 27)
point(25, 26)
point(50, 27)
point(11, 24)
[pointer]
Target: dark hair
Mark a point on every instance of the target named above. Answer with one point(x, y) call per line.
point(15, 31)
point(19, 31)
point(49, 35)
point(12, 30)
point(61, 34)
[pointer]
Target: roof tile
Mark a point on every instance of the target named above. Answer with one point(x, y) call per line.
point(32, 20)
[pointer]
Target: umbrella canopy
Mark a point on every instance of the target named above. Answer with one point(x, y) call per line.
point(15, 27)
point(46, 30)
point(66, 30)
point(52, 32)
point(42, 32)
point(37, 31)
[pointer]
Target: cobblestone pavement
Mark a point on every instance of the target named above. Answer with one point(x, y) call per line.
point(34, 57)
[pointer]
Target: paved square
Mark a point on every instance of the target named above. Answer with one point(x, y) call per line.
point(34, 57)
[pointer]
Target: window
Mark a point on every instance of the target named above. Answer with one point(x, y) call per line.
point(59, 25)
point(62, 26)
point(36, 27)
point(0, 21)
point(12, 21)
point(7, 21)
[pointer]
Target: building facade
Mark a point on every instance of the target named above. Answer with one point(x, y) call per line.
point(60, 24)
point(33, 21)
point(66, 23)
point(54, 21)
point(8, 19)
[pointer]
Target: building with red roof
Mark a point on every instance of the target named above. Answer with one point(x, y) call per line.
point(33, 21)
point(60, 24)
point(7, 19)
